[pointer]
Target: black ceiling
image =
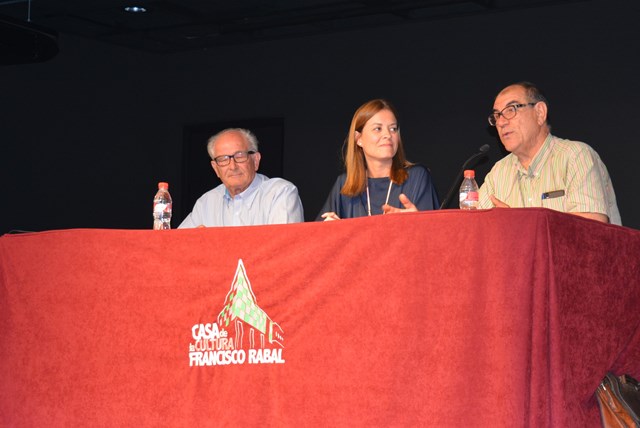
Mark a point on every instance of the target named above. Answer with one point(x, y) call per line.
point(181, 25)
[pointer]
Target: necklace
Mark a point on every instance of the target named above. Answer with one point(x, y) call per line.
point(369, 200)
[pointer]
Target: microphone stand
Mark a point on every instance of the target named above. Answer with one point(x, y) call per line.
point(456, 183)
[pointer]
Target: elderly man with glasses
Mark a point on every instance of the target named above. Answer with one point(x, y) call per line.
point(245, 197)
point(543, 170)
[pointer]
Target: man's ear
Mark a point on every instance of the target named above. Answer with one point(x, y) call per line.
point(541, 112)
point(214, 165)
point(256, 160)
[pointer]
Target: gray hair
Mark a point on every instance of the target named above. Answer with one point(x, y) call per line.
point(248, 136)
point(535, 94)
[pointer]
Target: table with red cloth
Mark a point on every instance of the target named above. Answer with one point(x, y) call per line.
point(497, 318)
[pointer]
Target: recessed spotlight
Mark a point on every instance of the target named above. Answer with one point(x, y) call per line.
point(135, 9)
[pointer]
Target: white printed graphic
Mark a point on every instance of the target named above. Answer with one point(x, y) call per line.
point(242, 334)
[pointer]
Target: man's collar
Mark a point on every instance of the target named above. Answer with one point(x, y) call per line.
point(538, 160)
point(248, 193)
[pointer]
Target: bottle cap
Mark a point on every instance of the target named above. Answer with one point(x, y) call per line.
point(469, 173)
point(163, 185)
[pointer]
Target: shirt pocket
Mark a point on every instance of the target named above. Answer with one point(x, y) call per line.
point(555, 200)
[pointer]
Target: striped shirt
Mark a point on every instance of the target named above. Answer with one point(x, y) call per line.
point(565, 175)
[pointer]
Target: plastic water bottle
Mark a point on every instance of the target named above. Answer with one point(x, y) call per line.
point(162, 206)
point(469, 191)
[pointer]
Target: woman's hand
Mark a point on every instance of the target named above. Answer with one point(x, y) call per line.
point(408, 206)
point(330, 216)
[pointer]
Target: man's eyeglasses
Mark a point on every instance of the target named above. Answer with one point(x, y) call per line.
point(239, 157)
point(509, 112)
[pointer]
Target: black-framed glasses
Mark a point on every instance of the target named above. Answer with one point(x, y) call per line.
point(239, 157)
point(509, 112)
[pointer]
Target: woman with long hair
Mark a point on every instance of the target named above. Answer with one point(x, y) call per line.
point(378, 179)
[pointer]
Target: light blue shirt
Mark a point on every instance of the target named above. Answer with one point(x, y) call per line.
point(265, 201)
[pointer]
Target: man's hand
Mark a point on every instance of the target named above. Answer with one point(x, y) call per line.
point(498, 203)
point(593, 216)
point(408, 206)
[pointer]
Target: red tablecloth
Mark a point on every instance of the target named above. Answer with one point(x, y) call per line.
point(448, 318)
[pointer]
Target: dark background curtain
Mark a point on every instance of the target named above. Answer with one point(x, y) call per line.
point(86, 136)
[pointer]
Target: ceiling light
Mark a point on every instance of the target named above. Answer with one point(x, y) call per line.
point(135, 9)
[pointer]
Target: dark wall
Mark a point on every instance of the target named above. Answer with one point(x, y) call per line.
point(86, 136)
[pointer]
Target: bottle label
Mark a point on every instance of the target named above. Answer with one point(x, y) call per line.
point(469, 196)
point(472, 196)
point(159, 208)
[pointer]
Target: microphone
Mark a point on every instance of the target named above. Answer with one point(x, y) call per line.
point(456, 183)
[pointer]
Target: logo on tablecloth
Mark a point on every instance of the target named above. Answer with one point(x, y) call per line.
point(242, 333)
